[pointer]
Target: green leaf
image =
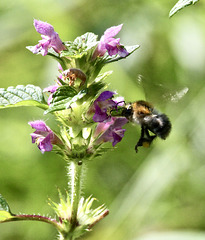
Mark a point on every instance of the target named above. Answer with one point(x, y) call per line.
point(115, 58)
point(101, 77)
point(64, 97)
point(181, 4)
point(4, 205)
point(98, 84)
point(86, 41)
point(63, 92)
point(80, 45)
point(5, 213)
point(20, 95)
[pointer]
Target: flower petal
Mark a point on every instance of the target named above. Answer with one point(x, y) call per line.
point(50, 39)
point(45, 144)
point(122, 51)
point(43, 28)
point(39, 125)
point(117, 136)
point(111, 131)
point(99, 115)
point(51, 88)
point(104, 96)
point(112, 31)
point(119, 122)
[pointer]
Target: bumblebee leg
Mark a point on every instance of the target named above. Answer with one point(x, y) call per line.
point(151, 138)
point(141, 140)
point(144, 141)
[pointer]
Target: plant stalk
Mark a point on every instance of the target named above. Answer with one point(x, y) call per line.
point(76, 172)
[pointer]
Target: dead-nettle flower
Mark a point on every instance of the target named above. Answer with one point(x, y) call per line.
point(44, 137)
point(102, 104)
point(50, 39)
point(111, 44)
point(110, 131)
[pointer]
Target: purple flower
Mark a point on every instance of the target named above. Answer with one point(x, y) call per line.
point(51, 89)
point(110, 44)
point(50, 39)
point(101, 105)
point(44, 137)
point(111, 131)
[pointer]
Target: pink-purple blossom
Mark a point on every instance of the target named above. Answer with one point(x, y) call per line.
point(50, 39)
point(102, 104)
point(110, 44)
point(111, 131)
point(44, 137)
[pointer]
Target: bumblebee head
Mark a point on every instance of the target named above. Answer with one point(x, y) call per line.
point(127, 111)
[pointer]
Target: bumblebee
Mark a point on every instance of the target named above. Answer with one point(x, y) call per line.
point(153, 124)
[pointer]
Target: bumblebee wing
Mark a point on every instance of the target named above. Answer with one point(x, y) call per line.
point(176, 96)
point(159, 93)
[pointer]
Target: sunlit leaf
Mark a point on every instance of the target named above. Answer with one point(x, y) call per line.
point(80, 45)
point(181, 4)
point(86, 41)
point(20, 95)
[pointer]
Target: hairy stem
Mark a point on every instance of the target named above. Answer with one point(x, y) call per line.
point(33, 217)
point(75, 172)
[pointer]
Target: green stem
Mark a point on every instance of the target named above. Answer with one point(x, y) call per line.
point(75, 172)
point(33, 217)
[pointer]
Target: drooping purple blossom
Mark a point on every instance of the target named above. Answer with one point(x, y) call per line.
point(50, 39)
point(110, 131)
point(110, 44)
point(44, 137)
point(101, 105)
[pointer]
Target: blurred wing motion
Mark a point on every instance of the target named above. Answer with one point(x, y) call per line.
point(160, 94)
point(175, 97)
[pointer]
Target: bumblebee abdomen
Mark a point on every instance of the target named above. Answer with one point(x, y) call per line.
point(160, 125)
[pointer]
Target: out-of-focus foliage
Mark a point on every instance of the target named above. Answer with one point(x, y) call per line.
point(156, 194)
point(180, 5)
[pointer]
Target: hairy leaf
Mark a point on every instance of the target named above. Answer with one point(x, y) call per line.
point(181, 4)
point(80, 45)
point(86, 41)
point(64, 97)
point(63, 92)
point(20, 95)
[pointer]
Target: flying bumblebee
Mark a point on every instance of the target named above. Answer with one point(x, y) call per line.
point(153, 124)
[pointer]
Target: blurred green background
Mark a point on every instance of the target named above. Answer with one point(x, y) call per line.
point(157, 194)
